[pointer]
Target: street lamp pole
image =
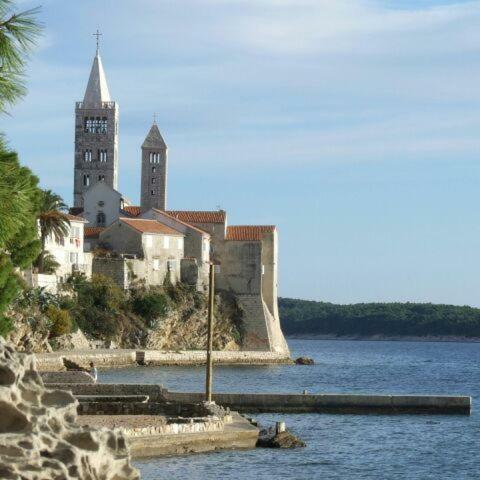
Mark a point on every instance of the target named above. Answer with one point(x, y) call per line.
point(211, 299)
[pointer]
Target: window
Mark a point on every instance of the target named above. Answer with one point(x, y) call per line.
point(171, 265)
point(87, 155)
point(73, 257)
point(86, 180)
point(153, 192)
point(154, 169)
point(101, 219)
point(154, 180)
point(166, 242)
point(156, 264)
point(154, 157)
point(180, 243)
point(102, 155)
point(95, 124)
point(75, 232)
point(101, 178)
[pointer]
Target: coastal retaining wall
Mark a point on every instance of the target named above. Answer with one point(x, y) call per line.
point(199, 357)
point(104, 358)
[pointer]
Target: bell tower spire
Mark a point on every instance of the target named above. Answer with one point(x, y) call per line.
point(96, 133)
point(154, 170)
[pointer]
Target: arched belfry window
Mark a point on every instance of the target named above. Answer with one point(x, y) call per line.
point(154, 157)
point(86, 180)
point(101, 219)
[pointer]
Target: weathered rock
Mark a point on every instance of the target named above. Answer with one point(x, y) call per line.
point(72, 341)
point(185, 327)
point(304, 361)
point(39, 437)
point(70, 365)
point(280, 440)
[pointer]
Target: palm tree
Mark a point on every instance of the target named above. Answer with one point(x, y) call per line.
point(52, 220)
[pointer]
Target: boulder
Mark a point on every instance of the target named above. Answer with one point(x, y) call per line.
point(304, 361)
point(284, 439)
point(39, 437)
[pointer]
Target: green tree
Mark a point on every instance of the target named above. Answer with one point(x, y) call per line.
point(18, 33)
point(19, 244)
point(19, 192)
point(52, 220)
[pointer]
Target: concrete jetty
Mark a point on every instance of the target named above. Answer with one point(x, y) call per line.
point(289, 403)
point(334, 403)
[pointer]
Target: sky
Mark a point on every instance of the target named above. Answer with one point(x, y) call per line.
point(352, 125)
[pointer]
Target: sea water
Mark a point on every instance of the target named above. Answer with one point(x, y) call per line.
point(341, 446)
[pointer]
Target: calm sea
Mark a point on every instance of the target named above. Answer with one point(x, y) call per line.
point(341, 446)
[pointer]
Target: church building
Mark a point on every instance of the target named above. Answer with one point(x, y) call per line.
point(151, 242)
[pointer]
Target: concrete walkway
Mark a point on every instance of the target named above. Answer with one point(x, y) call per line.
point(105, 358)
point(237, 434)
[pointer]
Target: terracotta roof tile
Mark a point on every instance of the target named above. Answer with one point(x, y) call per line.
point(190, 216)
point(149, 226)
point(132, 210)
point(92, 232)
point(248, 232)
point(182, 222)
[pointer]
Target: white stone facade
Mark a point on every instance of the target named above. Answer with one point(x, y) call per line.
point(68, 250)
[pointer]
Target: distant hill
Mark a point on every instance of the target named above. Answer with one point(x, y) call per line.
point(304, 317)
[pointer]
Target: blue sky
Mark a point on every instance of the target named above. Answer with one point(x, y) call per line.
point(353, 125)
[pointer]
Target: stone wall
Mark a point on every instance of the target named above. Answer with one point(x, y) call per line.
point(114, 268)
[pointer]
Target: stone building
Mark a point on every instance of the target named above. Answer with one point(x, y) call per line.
point(149, 242)
point(143, 249)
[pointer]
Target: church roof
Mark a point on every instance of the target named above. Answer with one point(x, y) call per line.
point(97, 88)
point(149, 226)
point(190, 216)
point(248, 232)
point(132, 210)
point(154, 138)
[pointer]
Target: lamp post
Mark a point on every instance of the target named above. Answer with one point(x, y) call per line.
point(211, 299)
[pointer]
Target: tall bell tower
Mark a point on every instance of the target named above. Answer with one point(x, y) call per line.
point(154, 171)
point(96, 135)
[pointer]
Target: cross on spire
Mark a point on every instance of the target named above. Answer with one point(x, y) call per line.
point(98, 35)
point(155, 118)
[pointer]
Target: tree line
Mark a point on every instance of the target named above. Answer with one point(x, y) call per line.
point(367, 319)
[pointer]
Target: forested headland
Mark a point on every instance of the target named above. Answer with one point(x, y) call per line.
point(305, 317)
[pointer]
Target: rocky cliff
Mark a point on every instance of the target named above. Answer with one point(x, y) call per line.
point(39, 437)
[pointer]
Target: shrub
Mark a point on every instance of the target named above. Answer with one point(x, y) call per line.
point(150, 306)
point(99, 304)
point(61, 321)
